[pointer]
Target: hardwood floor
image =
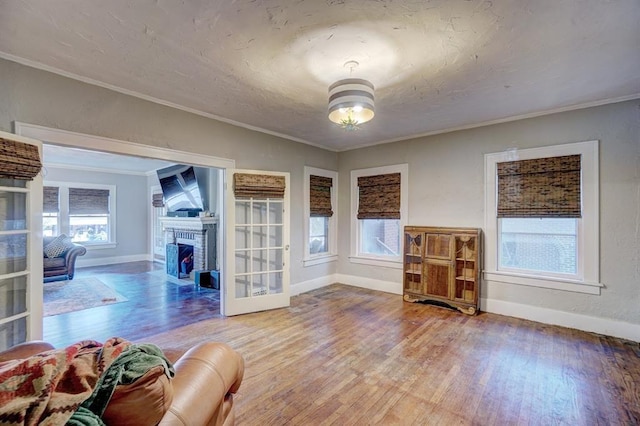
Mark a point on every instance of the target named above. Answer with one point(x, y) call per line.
point(343, 355)
point(155, 304)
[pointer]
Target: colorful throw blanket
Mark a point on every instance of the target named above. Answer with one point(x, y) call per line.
point(72, 384)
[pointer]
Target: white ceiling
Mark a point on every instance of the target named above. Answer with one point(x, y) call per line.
point(436, 65)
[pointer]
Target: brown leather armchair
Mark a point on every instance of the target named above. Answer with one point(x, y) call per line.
point(206, 378)
point(62, 267)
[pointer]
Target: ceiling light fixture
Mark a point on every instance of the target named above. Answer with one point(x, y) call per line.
point(351, 101)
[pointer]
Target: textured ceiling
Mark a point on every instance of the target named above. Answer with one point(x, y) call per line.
point(436, 65)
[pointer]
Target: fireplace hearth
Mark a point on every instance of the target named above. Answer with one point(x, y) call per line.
point(197, 233)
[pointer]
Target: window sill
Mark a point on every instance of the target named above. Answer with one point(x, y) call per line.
point(318, 260)
point(98, 246)
point(393, 264)
point(544, 282)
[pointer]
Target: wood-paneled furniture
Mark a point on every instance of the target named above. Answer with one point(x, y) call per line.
point(442, 265)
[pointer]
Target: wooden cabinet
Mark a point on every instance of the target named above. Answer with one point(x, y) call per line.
point(442, 265)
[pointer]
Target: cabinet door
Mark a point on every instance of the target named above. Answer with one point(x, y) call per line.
point(413, 262)
point(438, 246)
point(438, 275)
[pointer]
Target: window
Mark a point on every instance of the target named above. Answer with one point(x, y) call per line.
point(379, 213)
point(84, 212)
point(537, 236)
point(321, 207)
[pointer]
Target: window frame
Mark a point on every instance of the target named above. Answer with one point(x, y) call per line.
point(355, 256)
point(588, 257)
point(332, 254)
point(64, 217)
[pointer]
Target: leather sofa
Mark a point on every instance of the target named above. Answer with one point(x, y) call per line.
point(206, 377)
point(61, 267)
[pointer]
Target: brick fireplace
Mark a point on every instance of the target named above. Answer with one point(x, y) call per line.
point(198, 232)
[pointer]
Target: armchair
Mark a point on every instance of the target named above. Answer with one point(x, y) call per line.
point(61, 267)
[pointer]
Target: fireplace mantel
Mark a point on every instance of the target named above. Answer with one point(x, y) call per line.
point(187, 223)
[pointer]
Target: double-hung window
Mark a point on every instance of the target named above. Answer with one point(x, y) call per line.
point(541, 217)
point(321, 204)
point(379, 214)
point(84, 212)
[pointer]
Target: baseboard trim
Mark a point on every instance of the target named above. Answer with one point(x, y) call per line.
point(608, 327)
point(314, 284)
point(101, 261)
point(369, 283)
point(591, 324)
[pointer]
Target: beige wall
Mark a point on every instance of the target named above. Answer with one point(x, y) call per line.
point(446, 188)
point(37, 97)
point(445, 178)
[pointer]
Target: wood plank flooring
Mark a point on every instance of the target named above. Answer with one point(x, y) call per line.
point(342, 355)
point(155, 304)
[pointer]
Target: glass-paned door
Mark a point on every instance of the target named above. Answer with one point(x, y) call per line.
point(257, 275)
point(20, 270)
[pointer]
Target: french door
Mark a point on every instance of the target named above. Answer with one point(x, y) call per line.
point(20, 256)
point(256, 277)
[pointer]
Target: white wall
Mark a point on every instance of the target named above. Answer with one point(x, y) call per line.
point(446, 174)
point(132, 221)
point(38, 97)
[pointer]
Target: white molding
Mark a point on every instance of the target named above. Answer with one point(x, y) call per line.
point(354, 250)
point(314, 284)
point(100, 261)
point(371, 261)
point(99, 143)
point(319, 260)
point(606, 326)
point(588, 273)
point(95, 169)
point(332, 254)
point(370, 283)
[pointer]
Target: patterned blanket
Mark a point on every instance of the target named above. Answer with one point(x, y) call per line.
point(48, 388)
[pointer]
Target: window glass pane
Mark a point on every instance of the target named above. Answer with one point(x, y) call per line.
point(380, 237)
point(260, 237)
point(544, 245)
point(318, 235)
point(259, 282)
point(90, 228)
point(242, 237)
point(275, 283)
point(13, 296)
point(13, 183)
point(242, 286)
point(242, 212)
point(13, 253)
point(50, 224)
point(242, 262)
point(259, 212)
point(275, 236)
point(13, 205)
point(275, 260)
point(275, 212)
point(12, 333)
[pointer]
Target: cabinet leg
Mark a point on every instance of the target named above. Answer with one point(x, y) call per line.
point(471, 310)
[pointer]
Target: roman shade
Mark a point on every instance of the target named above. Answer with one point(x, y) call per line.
point(157, 200)
point(18, 160)
point(88, 201)
point(379, 196)
point(320, 196)
point(50, 199)
point(541, 187)
point(247, 185)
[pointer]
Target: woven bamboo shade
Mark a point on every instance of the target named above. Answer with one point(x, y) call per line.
point(157, 200)
point(258, 186)
point(50, 203)
point(320, 196)
point(88, 201)
point(542, 187)
point(379, 196)
point(18, 160)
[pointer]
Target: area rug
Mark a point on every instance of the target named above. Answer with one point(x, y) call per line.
point(61, 297)
point(162, 275)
